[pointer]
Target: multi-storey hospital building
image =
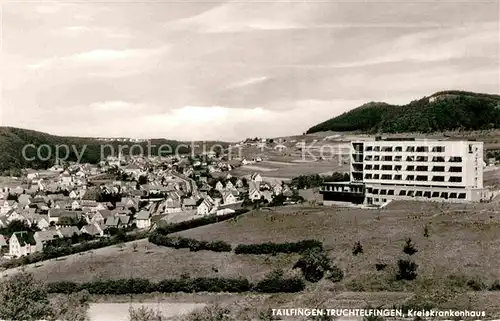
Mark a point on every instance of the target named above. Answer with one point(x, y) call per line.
point(411, 169)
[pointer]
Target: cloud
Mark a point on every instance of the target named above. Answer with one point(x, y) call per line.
point(51, 8)
point(247, 82)
point(78, 29)
point(228, 17)
point(101, 63)
point(106, 55)
point(231, 69)
point(111, 106)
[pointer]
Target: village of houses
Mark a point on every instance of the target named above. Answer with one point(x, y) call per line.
point(132, 194)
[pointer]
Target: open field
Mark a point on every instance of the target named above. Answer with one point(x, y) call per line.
point(155, 263)
point(463, 241)
point(291, 169)
point(463, 238)
point(491, 177)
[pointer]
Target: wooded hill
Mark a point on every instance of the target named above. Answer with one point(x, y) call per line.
point(12, 141)
point(445, 110)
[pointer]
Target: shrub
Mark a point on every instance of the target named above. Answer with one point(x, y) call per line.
point(476, 284)
point(192, 244)
point(72, 307)
point(314, 264)
point(357, 249)
point(275, 248)
point(335, 274)
point(22, 297)
point(275, 283)
point(457, 281)
point(139, 286)
point(63, 287)
point(356, 286)
point(218, 246)
point(380, 266)
point(495, 286)
point(426, 231)
point(407, 270)
point(217, 285)
point(409, 247)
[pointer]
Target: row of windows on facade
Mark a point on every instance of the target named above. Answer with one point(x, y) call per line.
point(411, 168)
point(409, 149)
point(419, 178)
point(427, 194)
point(436, 159)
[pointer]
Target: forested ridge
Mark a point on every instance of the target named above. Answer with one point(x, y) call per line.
point(446, 110)
point(13, 140)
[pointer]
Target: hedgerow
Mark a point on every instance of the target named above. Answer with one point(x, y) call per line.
point(188, 285)
point(275, 248)
point(192, 244)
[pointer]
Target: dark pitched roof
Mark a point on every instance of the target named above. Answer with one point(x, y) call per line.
point(25, 238)
point(123, 219)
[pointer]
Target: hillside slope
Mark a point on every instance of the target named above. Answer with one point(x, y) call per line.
point(446, 110)
point(13, 140)
point(462, 244)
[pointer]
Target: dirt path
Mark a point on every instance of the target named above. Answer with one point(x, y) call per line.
point(120, 311)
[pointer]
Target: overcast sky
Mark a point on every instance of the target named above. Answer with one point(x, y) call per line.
point(230, 70)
